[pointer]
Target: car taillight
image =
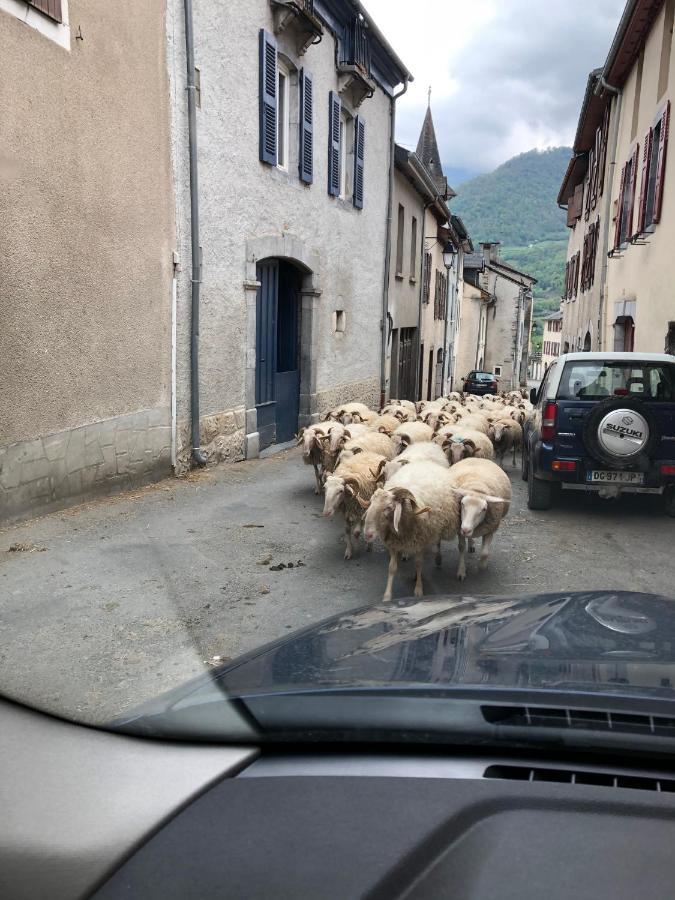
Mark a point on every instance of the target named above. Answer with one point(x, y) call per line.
point(564, 465)
point(493, 384)
point(548, 422)
point(668, 470)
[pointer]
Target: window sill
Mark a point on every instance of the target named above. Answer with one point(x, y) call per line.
point(398, 276)
point(412, 280)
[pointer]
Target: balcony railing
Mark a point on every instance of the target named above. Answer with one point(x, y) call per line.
point(355, 46)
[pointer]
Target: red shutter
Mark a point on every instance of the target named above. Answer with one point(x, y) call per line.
point(578, 200)
point(596, 166)
point(631, 191)
point(603, 152)
point(571, 218)
point(619, 210)
point(644, 182)
point(51, 8)
point(661, 164)
point(589, 186)
point(577, 267)
point(567, 281)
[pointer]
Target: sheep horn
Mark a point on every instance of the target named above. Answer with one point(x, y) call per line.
point(419, 512)
point(364, 504)
point(400, 494)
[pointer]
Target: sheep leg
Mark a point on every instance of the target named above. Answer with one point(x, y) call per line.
point(438, 559)
point(348, 540)
point(514, 454)
point(393, 566)
point(319, 483)
point(472, 546)
point(461, 568)
point(419, 560)
point(485, 552)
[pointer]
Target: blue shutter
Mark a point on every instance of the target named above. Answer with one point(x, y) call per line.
point(334, 144)
point(306, 155)
point(359, 160)
point(268, 98)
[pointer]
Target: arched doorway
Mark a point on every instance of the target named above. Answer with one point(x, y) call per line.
point(624, 333)
point(587, 343)
point(277, 371)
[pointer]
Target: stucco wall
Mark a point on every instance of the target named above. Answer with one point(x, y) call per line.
point(433, 330)
point(244, 200)
point(404, 292)
point(644, 272)
point(87, 230)
point(501, 320)
point(468, 331)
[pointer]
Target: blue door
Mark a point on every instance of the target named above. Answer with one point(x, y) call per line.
point(277, 352)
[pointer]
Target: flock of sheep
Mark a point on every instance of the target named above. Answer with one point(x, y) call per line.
point(416, 474)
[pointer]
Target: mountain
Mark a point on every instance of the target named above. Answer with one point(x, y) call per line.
point(516, 205)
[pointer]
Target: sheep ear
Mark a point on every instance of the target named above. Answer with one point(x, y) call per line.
point(491, 499)
point(398, 509)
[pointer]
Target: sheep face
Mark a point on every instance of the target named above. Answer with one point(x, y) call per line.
point(499, 428)
point(474, 510)
point(401, 441)
point(334, 491)
point(311, 440)
point(460, 449)
point(337, 436)
point(389, 506)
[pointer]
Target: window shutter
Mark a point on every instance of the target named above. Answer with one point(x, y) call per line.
point(619, 210)
point(51, 8)
point(644, 182)
point(268, 98)
point(359, 160)
point(571, 218)
point(661, 164)
point(589, 185)
point(306, 154)
point(603, 152)
point(578, 200)
point(334, 107)
point(630, 187)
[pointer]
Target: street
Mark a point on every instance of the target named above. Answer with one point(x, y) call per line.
point(110, 603)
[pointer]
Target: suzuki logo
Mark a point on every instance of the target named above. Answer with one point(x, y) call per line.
point(628, 420)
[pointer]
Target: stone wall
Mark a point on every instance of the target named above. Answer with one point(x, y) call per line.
point(222, 438)
point(60, 469)
point(367, 392)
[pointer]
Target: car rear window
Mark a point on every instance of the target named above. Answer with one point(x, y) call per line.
point(483, 376)
point(594, 380)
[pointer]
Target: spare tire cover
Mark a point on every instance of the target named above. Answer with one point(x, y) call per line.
point(620, 431)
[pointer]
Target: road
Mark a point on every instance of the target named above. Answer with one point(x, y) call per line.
point(110, 603)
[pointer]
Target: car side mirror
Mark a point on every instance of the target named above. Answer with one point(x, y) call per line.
point(533, 396)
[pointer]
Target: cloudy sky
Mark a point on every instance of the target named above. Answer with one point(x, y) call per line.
point(506, 75)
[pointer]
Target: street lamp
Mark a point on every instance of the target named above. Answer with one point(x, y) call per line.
point(449, 255)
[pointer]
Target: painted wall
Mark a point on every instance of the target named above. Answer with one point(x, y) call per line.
point(467, 344)
point(249, 208)
point(404, 290)
point(86, 239)
point(432, 330)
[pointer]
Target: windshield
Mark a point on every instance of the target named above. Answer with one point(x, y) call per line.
point(594, 380)
point(276, 304)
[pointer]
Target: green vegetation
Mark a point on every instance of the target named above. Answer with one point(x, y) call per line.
point(516, 205)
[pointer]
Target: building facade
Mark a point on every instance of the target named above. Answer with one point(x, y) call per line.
point(294, 129)
point(550, 346)
point(86, 205)
point(620, 195)
point(496, 317)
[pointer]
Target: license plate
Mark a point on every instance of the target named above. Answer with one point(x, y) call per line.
point(600, 476)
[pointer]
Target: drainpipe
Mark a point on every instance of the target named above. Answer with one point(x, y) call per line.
point(607, 214)
point(387, 249)
point(196, 268)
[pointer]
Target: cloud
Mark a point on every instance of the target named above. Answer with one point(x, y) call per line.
point(506, 75)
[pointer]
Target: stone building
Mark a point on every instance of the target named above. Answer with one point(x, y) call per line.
point(294, 128)
point(86, 245)
point(496, 318)
point(550, 346)
point(620, 196)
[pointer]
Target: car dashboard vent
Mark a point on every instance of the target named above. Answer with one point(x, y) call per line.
point(563, 717)
point(574, 776)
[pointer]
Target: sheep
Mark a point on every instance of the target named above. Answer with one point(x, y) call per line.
point(505, 433)
point(369, 442)
point(477, 422)
point(411, 433)
point(311, 439)
point(416, 508)
point(485, 492)
point(402, 413)
point(351, 412)
point(386, 424)
point(340, 434)
point(354, 476)
point(421, 452)
point(466, 442)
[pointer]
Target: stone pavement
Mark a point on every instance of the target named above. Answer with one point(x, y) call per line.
point(110, 603)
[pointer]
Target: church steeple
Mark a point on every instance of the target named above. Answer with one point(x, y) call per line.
point(427, 150)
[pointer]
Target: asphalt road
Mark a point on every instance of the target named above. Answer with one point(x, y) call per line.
point(111, 603)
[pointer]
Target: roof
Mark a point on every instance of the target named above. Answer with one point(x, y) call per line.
point(554, 316)
point(497, 263)
point(636, 22)
point(427, 151)
point(574, 175)
point(474, 260)
point(417, 174)
point(617, 355)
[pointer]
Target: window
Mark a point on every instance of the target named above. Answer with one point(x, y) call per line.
point(653, 172)
point(51, 8)
point(623, 231)
point(594, 380)
point(282, 116)
point(359, 161)
point(498, 371)
point(268, 99)
point(413, 248)
point(624, 334)
point(590, 253)
point(399, 240)
point(670, 339)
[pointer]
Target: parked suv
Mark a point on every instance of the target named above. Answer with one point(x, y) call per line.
point(480, 383)
point(602, 422)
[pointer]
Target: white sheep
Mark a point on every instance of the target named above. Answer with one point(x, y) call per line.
point(311, 439)
point(414, 510)
point(369, 442)
point(485, 492)
point(402, 413)
point(385, 423)
point(506, 434)
point(467, 442)
point(421, 452)
point(353, 477)
point(411, 433)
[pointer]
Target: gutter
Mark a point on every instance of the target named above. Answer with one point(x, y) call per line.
point(387, 248)
point(196, 261)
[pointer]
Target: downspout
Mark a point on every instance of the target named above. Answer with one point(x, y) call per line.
point(606, 213)
point(196, 262)
point(387, 249)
